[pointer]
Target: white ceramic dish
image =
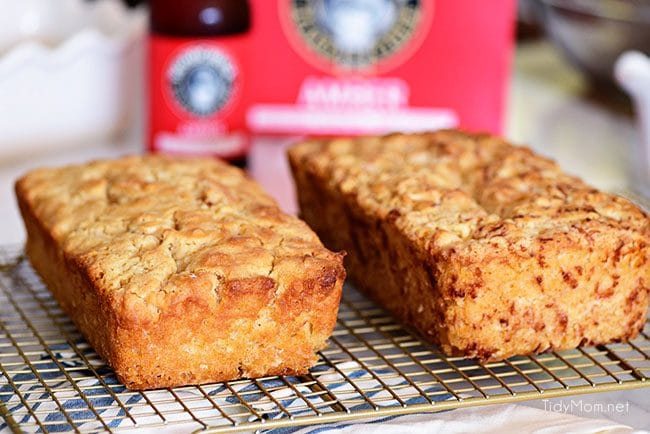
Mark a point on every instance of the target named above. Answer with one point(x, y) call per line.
point(632, 71)
point(69, 72)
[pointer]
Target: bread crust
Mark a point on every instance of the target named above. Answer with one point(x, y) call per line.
point(484, 248)
point(180, 271)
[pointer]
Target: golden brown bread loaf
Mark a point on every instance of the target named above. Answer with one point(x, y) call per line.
point(487, 249)
point(180, 271)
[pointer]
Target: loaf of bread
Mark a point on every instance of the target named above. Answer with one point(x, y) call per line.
point(180, 271)
point(484, 248)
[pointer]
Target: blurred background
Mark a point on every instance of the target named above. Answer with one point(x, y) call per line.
point(242, 80)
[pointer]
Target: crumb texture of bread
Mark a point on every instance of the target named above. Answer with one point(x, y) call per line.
point(486, 249)
point(180, 271)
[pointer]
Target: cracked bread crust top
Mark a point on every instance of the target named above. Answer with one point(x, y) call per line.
point(191, 245)
point(450, 188)
point(512, 255)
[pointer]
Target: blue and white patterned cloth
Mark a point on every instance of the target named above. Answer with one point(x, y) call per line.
point(48, 409)
point(494, 418)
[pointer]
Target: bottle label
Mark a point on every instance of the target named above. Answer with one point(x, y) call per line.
point(195, 96)
point(202, 80)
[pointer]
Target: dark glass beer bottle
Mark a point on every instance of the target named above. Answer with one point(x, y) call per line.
point(197, 76)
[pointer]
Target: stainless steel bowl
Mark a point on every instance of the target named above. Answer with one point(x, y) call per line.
point(593, 33)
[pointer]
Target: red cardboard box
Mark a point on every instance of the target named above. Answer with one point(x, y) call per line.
point(326, 67)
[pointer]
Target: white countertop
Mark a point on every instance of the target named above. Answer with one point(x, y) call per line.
point(549, 110)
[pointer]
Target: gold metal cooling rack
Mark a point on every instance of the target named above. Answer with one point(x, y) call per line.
point(51, 380)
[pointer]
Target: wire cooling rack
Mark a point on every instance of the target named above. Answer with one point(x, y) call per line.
point(52, 380)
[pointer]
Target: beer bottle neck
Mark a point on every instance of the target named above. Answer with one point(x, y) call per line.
point(199, 17)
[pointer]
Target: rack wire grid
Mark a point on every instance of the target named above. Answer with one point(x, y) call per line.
point(52, 380)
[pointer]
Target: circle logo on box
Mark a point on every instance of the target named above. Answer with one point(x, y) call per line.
point(202, 80)
point(360, 34)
